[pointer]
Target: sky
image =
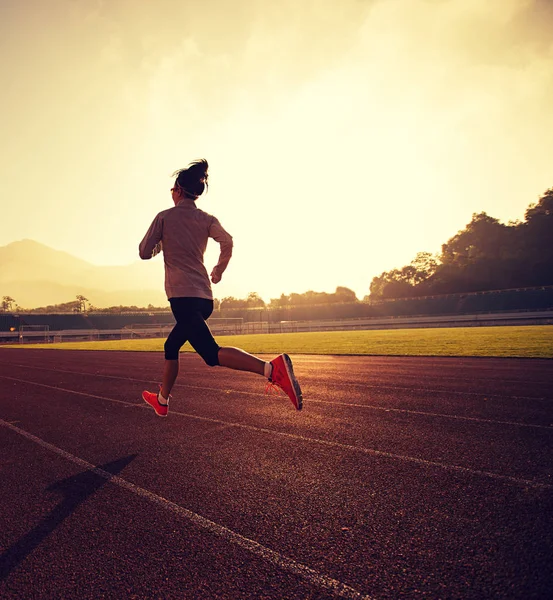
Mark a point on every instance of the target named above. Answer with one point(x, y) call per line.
point(342, 137)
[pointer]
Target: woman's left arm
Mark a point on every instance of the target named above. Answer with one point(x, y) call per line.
point(224, 238)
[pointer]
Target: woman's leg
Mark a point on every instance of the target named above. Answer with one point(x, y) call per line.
point(170, 372)
point(159, 400)
point(279, 371)
point(235, 358)
point(201, 339)
point(191, 315)
point(176, 339)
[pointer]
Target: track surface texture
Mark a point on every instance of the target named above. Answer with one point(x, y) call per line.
point(401, 478)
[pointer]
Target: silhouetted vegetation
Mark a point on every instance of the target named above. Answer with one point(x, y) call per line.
point(486, 255)
point(76, 306)
point(310, 298)
point(253, 300)
point(7, 303)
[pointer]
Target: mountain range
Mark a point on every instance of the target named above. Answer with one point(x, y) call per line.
point(35, 275)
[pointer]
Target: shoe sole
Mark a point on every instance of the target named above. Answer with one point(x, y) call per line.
point(152, 407)
point(292, 377)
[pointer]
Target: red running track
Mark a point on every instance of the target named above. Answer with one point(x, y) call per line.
point(402, 477)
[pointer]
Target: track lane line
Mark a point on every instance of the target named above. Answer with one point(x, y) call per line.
point(310, 575)
point(330, 403)
point(368, 385)
point(369, 451)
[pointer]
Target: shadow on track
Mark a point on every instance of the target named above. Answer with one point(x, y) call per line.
point(75, 489)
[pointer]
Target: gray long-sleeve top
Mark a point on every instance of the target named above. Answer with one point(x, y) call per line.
point(182, 233)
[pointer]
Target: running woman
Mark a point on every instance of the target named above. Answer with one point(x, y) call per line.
point(181, 233)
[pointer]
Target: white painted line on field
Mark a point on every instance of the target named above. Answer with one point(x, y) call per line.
point(369, 451)
point(60, 389)
point(432, 414)
point(328, 402)
point(365, 385)
point(310, 575)
point(455, 392)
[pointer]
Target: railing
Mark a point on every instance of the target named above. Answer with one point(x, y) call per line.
point(480, 320)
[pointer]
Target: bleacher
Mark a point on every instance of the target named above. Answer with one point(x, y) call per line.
point(469, 303)
point(55, 322)
point(8, 322)
point(119, 321)
point(64, 322)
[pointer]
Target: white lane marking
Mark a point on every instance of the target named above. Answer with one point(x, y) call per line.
point(364, 385)
point(304, 359)
point(456, 392)
point(295, 436)
point(280, 560)
point(331, 403)
point(431, 414)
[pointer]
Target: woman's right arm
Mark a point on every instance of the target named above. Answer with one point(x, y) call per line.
point(151, 244)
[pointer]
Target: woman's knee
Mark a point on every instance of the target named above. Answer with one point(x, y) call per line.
point(171, 349)
point(211, 356)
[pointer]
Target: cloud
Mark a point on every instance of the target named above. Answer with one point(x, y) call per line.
point(393, 110)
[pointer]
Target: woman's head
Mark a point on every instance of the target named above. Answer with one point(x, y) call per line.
point(192, 181)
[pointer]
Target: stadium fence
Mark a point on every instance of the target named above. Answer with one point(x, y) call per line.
point(36, 333)
point(236, 326)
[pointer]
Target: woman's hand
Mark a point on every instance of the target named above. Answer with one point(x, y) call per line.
point(215, 276)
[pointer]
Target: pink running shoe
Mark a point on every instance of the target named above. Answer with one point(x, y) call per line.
point(283, 377)
point(151, 399)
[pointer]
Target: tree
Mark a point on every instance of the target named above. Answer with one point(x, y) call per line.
point(402, 283)
point(82, 304)
point(392, 284)
point(7, 303)
point(485, 255)
point(254, 300)
point(425, 265)
point(483, 238)
point(537, 241)
point(344, 294)
point(542, 211)
point(281, 302)
point(232, 302)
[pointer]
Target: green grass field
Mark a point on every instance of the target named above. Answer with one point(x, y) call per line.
point(529, 341)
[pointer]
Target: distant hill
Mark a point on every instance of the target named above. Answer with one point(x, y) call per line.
point(37, 275)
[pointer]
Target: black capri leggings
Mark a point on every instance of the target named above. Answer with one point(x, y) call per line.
point(191, 315)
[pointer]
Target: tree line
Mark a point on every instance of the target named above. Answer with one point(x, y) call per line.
point(253, 300)
point(79, 305)
point(486, 255)
point(310, 298)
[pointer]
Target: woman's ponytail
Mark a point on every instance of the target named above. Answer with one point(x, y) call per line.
point(193, 179)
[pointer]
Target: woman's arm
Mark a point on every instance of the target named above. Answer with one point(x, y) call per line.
point(151, 244)
point(219, 234)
